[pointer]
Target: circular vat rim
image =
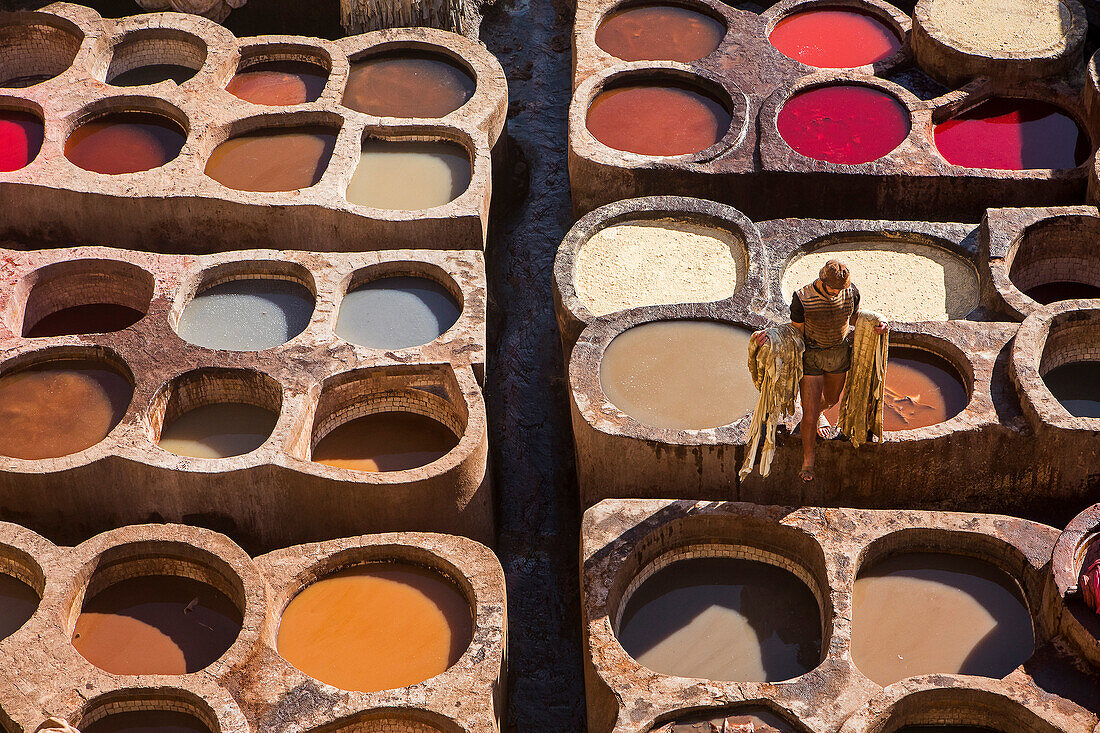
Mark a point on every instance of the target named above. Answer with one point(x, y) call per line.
point(57, 23)
point(23, 556)
point(775, 104)
point(286, 119)
point(129, 45)
point(860, 235)
point(395, 553)
point(918, 700)
point(1029, 354)
point(959, 364)
point(421, 269)
point(654, 208)
point(786, 547)
point(429, 721)
point(31, 107)
point(65, 281)
point(261, 50)
point(123, 104)
point(1036, 253)
point(183, 551)
point(434, 135)
point(417, 388)
point(207, 386)
point(747, 707)
point(994, 551)
point(899, 22)
point(941, 42)
point(203, 278)
point(217, 716)
point(700, 6)
point(1079, 536)
point(984, 92)
point(672, 74)
point(94, 353)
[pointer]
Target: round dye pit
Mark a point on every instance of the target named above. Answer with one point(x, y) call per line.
point(247, 314)
point(18, 602)
point(218, 431)
point(21, 135)
point(60, 407)
point(156, 624)
point(409, 175)
point(1013, 134)
point(760, 720)
point(84, 319)
point(396, 313)
point(904, 281)
point(721, 618)
point(660, 33)
point(926, 613)
point(1001, 27)
point(1055, 260)
point(125, 142)
point(147, 721)
point(385, 441)
point(1076, 385)
point(279, 83)
point(153, 74)
point(36, 52)
point(922, 389)
point(408, 84)
point(273, 159)
point(655, 262)
point(843, 123)
point(682, 375)
point(657, 119)
point(834, 38)
point(376, 627)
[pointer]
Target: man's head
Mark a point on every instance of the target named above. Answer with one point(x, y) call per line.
point(835, 276)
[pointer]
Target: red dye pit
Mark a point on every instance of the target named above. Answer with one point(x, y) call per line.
point(1013, 134)
point(279, 83)
point(834, 38)
point(659, 33)
point(125, 143)
point(657, 120)
point(845, 123)
point(20, 139)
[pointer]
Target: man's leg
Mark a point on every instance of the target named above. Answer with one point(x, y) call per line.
point(830, 395)
point(810, 390)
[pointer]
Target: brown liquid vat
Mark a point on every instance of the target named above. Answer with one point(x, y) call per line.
point(295, 382)
point(762, 175)
point(148, 198)
point(261, 587)
point(622, 538)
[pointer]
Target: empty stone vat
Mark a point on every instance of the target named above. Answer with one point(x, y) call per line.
point(153, 55)
point(82, 296)
point(37, 47)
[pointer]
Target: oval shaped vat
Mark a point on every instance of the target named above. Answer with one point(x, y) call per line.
point(278, 82)
point(657, 119)
point(273, 159)
point(834, 37)
point(125, 142)
point(385, 441)
point(1013, 134)
point(1076, 385)
point(1001, 28)
point(409, 175)
point(904, 281)
point(396, 313)
point(377, 626)
point(37, 52)
point(147, 721)
point(681, 375)
point(59, 406)
point(21, 135)
point(21, 585)
point(153, 55)
point(85, 296)
point(246, 313)
point(153, 74)
point(844, 123)
point(156, 624)
point(408, 83)
point(920, 613)
point(660, 32)
point(653, 262)
point(1055, 260)
point(723, 618)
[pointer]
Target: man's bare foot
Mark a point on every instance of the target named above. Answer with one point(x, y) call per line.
point(807, 473)
point(824, 429)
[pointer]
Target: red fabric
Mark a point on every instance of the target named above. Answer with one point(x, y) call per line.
point(1089, 584)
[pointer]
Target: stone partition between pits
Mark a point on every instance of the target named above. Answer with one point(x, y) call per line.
point(274, 495)
point(755, 169)
point(61, 203)
point(251, 689)
point(623, 696)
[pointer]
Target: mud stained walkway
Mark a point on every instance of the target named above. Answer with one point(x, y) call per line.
point(531, 438)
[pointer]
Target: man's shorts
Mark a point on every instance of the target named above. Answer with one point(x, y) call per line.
point(834, 360)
